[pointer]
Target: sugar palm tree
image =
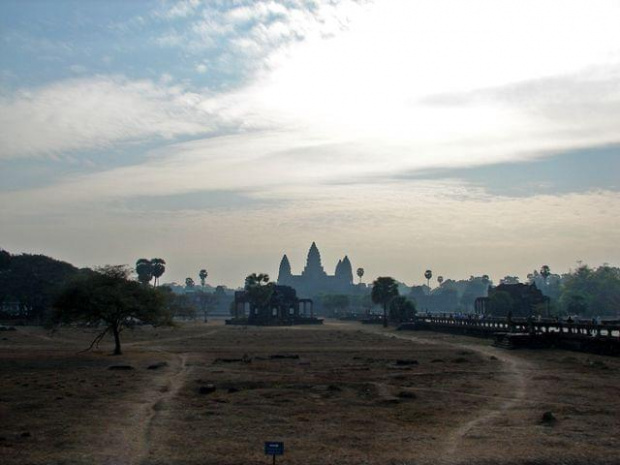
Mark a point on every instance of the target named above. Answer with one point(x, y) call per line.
point(159, 267)
point(203, 277)
point(384, 289)
point(428, 274)
point(360, 273)
point(545, 271)
point(144, 268)
point(440, 280)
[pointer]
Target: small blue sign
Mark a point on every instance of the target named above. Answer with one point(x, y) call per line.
point(274, 448)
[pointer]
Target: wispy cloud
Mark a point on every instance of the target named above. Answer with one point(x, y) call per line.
point(94, 113)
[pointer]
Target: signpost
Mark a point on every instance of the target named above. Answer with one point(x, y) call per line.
point(274, 448)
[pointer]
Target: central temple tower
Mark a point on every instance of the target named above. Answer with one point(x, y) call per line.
point(313, 268)
point(313, 280)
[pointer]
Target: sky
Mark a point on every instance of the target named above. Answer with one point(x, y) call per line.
point(471, 138)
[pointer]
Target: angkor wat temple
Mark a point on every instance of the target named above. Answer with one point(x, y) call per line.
point(313, 280)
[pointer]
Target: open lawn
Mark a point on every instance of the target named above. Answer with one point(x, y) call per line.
point(341, 393)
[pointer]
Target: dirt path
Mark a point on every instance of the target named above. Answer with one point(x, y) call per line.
point(513, 373)
point(152, 411)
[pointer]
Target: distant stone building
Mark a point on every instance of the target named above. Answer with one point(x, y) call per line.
point(283, 308)
point(521, 300)
point(314, 280)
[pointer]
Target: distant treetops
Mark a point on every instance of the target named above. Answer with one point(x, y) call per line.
point(148, 270)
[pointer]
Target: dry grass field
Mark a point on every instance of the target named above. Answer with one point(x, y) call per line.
point(342, 393)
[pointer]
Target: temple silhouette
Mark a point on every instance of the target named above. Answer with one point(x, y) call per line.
point(313, 280)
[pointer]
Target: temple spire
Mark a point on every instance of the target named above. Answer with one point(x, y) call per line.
point(285, 269)
point(313, 263)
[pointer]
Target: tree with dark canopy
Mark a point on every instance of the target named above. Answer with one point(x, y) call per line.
point(158, 266)
point(109, 298)
point(360, 274)
point(144, 269)
point(384, 289)
point(428, 274)
point(203, 277)
point(32, 281)
point(259, 289)
point(402, 309)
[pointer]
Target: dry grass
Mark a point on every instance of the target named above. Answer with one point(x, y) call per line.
point(339, 394)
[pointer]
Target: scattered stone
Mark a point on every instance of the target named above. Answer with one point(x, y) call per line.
point(120, 367)
point(26, 434)
point(227, 360)
point(393, 401)
point(157, 366)
point(437, 360)
point(492, 357)
point(281, 356)
point(598, 364)
point(548, 418)
point(405, 362)
point(407, 395)
point(334, 388)
point(232, 390)
point(460, 360)
point(207, 389)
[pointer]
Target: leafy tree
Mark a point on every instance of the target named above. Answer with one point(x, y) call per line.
point(259, 290)
point(107, 296)
point(440, 280)
point(158, 266)
point(178, 305)
point(335, 303)
point(591, 292)
point(5, 259)
point(189, 283)
point(144, 269)
point(203, 277)
point(509, 280)
point(33, 282)
point(360, 273)
point(402, 309)
point(384, 289)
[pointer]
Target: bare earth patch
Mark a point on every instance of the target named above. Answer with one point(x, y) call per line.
point(342, 393)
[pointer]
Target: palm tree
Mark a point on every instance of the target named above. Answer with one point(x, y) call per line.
point(144, 268)
point(360, 273)
point(189, 283)
point(428, 274)
point(159, 267)
point(259, 289)
point(203, 277)
point(440, 279)
point(384, 289)
point(545, 271)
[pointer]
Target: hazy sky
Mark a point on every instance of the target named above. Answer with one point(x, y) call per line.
point(466, 137)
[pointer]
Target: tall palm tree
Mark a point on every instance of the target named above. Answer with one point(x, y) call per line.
point(440, 280)
point(189, 283)
point(203, 277)
point(159, 267)
point(428, 274)
point(259, 289)
point(545, 271)
point(144, 268)
point(360, 273)
point(384, 289)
